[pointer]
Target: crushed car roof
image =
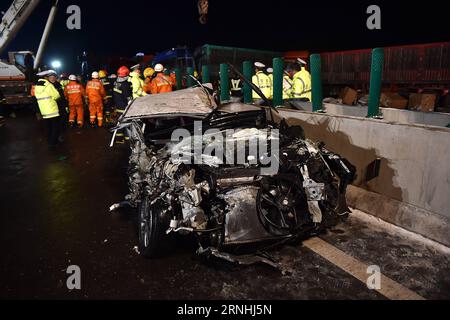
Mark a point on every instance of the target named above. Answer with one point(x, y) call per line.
point(192, 102)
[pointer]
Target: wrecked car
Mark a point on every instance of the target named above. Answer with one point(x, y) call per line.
point(227, 173)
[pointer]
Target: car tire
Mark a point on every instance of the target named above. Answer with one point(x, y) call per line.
point(151, 229)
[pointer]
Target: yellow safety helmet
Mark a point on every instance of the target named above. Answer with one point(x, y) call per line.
point(102, 74)
point(149, 72)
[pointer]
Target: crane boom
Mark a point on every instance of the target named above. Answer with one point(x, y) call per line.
point(13, 20)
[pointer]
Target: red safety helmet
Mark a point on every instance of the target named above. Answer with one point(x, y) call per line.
point(123, 72)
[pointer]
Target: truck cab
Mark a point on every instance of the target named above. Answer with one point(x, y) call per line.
point(16, 77)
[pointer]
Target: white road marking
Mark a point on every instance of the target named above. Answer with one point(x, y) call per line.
point(389, 288)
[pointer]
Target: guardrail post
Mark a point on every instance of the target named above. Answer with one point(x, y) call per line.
point(205, 74)
point(179, 78)
point(278, 66)
point(376, 75)
point(316, 75)
point(248, 73)
point(224, 83)
point(190, 73)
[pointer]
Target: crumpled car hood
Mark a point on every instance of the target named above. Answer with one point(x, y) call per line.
point(191, 102)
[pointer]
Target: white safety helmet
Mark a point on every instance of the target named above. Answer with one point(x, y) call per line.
point(260, 65)
point(95, 75)
point(46, 73)
point(269, 70)
point(301, 61)
point(73, 77)
point(159, 68)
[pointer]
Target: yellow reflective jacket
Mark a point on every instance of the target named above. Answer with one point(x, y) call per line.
point(262, 81)
point(64, 83)
point(288, 84)
point(271, 85)
point(138, 85)
point(302, 85)
point(46, 96)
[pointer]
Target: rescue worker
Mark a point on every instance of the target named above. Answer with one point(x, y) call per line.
point(122, 95)
point(301, 83)
point(62, 102)
point(47, 96)
point(236, 88)
point(262, 81)
point(173, 79)
point(136, 82)
point(148, 75)
point(108, 99)
point(64, 80)
point(95, 93)
point(123, 91)
point(161, 83)
point(75, 93)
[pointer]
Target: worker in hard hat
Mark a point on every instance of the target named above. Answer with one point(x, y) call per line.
point(161, 83)
point(262, 81)
point(122, 96)
point(64, 80)
point(95, 93)
point(148, 75)
point(301, 82)
point(123, 91)
point(75, 93)
point(62, 102)
point(300, 93)
point(47, 95)
point(107, 105)
point(136, 82)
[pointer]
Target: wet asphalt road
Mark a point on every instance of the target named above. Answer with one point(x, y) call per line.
point(54, 213)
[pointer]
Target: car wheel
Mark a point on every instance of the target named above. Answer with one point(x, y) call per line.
point(151, 229)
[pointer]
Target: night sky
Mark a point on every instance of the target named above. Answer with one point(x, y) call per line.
point(127, 27)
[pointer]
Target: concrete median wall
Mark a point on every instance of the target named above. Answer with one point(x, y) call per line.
point(391, 115)
point(415, 167)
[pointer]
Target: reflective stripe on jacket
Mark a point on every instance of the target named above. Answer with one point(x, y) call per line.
point(95, 91)
point(161, 84)
point(122, 93)
point(46, 96)
point(64, 83)
point(271, 85)
point(287, 87)
point(302, 85)
point(262, 81)
point(74, 93)
point(137, 84)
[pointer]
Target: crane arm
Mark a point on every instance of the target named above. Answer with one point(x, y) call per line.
point(13, 20)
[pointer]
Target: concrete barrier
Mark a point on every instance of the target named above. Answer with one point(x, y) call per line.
point(391, 115)
point(415, 167)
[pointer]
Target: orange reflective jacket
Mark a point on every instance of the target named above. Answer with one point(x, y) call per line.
point(160, 84)
point(95, 91)
point(173, 79)
point(74, 93)
point(147, 85)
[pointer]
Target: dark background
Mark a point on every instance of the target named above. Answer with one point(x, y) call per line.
point(127, 27)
